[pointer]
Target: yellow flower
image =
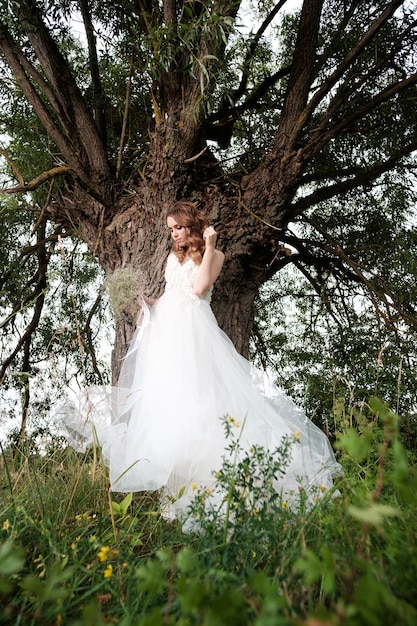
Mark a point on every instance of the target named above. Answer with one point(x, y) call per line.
point(108, 571)
point(103, 554)
point(194, 486)
point(254, 554)
point(74, 543)
point(285, 505)
point(322, 488)
point(83, 516)
point(235, 423)
point(297, 435)
point(6, 525)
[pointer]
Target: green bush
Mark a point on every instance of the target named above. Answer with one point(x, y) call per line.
point(72, 554)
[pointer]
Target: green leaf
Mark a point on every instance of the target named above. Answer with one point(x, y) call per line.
point(120, 508)
point(356, 445)
point(375, 514)
point(187, 561)
point(383, 411)
point(401, 468)
point(310, 566)
point(125, 503)
point(11, 558)
point(328, 582)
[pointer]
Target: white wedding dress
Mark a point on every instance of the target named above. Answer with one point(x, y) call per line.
point(162, 429)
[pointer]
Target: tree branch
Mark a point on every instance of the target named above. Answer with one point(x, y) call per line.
point(98, 96)
point(364, 176)
point(20, 66)
point(124, 124)
point(89, 344)
point(377, 289)
point(347, 62)
point(252, 48)
point(38, 181)
point(13, 167)
point(347, 90)
point(76, 133)
point(302, 73)
point(38, 297)
point(146, 10)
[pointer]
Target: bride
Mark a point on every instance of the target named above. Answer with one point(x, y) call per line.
point(182, 376)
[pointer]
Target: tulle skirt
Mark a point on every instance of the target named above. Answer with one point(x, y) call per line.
point(163, 427)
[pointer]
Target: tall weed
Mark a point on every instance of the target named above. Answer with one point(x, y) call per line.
point(72, 553)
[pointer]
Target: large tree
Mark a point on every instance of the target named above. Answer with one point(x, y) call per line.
point(177, 99)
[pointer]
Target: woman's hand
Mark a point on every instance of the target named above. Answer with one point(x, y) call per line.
point(210, 237)
point(147, 299)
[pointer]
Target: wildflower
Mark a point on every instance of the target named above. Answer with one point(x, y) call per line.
point(297, 435)
point(108, 571)
point(194, 486)
point(6, 525)
point(83, 517)
point(103, 554)
point(40, 565)
point(254, 554)
point(323, 488)
point(285, 504)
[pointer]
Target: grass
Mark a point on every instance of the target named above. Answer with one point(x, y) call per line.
point(73, 554)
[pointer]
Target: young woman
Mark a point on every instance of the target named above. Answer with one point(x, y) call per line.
point(182, 376)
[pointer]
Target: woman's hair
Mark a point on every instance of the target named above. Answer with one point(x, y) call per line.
point(187, 215)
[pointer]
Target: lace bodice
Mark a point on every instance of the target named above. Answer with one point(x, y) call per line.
point(180, 278)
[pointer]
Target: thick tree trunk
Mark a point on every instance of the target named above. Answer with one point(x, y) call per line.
point(138, 239)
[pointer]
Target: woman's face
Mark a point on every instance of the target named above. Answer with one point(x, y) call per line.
point(178, 233)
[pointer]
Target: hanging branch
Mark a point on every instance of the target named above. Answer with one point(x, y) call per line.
point(89, 343)
point(377, 289)
point(38, 297)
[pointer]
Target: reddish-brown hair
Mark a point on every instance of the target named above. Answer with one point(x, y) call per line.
point(187, 215)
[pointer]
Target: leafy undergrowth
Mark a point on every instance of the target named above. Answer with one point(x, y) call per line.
point(71, 554)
